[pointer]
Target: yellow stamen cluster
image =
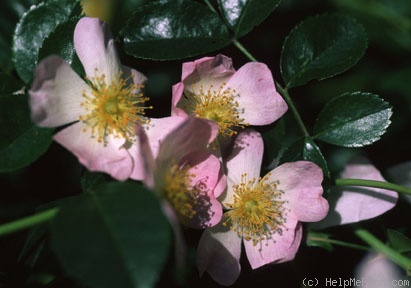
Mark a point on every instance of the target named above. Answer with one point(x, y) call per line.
point(257, 211)
point(218, 105)
point(177, 191)
point(113, 108)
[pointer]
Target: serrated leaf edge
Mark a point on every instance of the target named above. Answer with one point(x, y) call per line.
point(318, 135)
point(290, 84)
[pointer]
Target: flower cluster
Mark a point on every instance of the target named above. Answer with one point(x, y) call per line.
point(179, 157)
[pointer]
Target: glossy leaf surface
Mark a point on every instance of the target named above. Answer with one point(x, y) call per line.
point(166, 30)
point(36, 25)
point(114, 237)
point(321, 47)
point(242, 16)
point(353, 120)
point(21, 142)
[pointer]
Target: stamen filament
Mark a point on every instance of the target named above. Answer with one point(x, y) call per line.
point(257, 212)
point(217, 104)
point(113, 108)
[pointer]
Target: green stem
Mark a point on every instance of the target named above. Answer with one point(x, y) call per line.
point(380, 247)
point(27, 222)
point(337, 242)
point(372, 183)
point(283, 91)
point(244, 50)
point(210, 6)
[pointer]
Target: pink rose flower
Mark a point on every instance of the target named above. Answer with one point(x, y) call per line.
point(184, 174)
point(103, 109)
point(263, 213)
point(182, 171)
point(211, 88)
point(375, 270)
point(355, 204)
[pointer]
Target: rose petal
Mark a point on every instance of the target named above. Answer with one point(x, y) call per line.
point(94, 46)
point(55, 95)
point(190, 67)
point(143, 152)
point(141, 155)
point(218, 253)
point(301, 183)
point(206, 73)
point(208, 214)
point(257, 96)
point(209, 76)
point(113, 158)
point(378, 271)
point(281, 248)
point(180, 249)
point(354, 204)
point(207, 70)
point(245, 158)
point(205, 170)
point(193, 134)
point(139, 167)
point(159, 128)
point(138, 78)
point(221, 183)
point(178, 91)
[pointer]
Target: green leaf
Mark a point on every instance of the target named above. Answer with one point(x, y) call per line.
point(321, 47)
point(60, 42)
point(315, 239)
point(10, 84)
point(306, 149)
point(386, 22)
point(121, 11)
point(21, 142)
point(399, 241)
point(166, 30)
point(10, 14)
point(36, 25)
point(241, 16)
point(117, 237)
point(353, 120)
point(35, 245)
point(338, 157)
point(92, 182)
point(36, 250)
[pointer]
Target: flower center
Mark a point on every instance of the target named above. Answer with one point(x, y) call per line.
point(257, 212)
point(177, 191)
point(113, 108)
point(215, 104)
